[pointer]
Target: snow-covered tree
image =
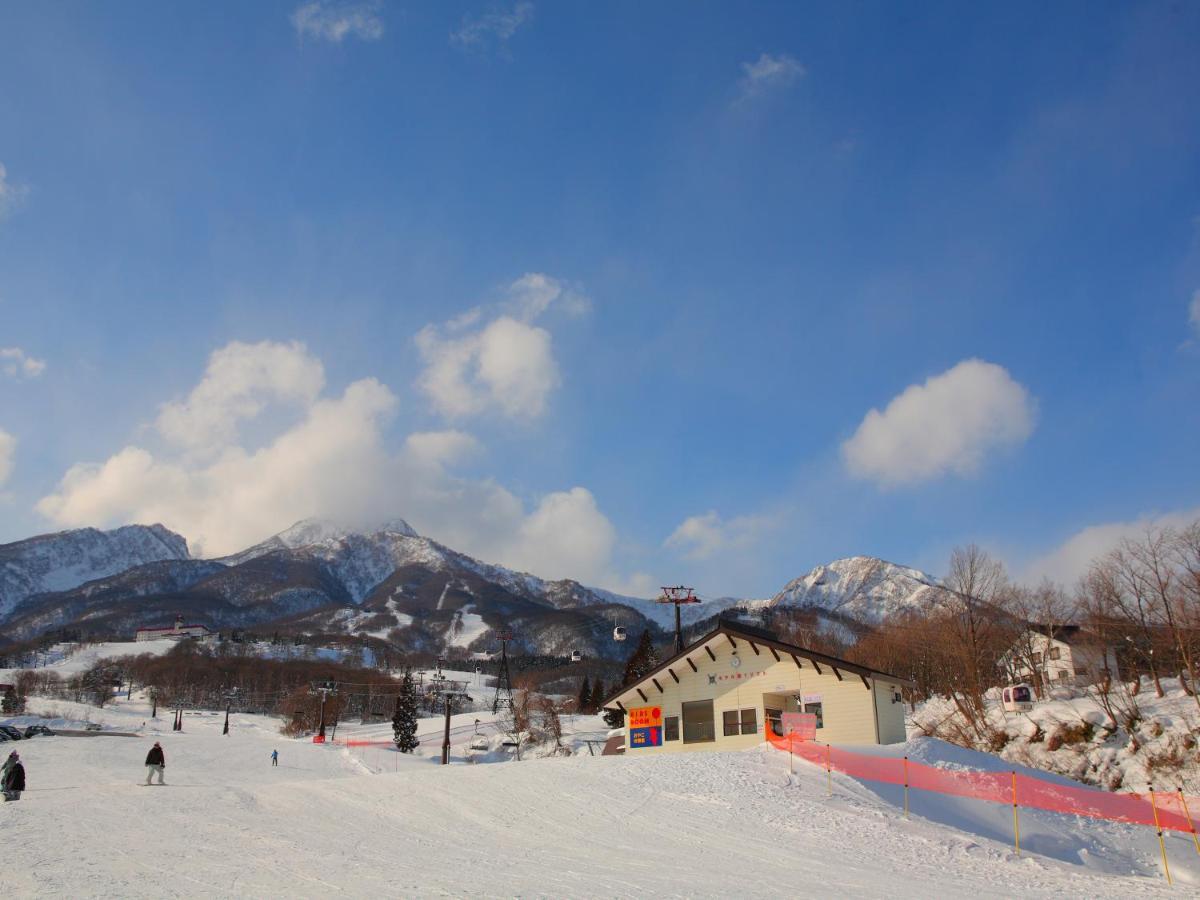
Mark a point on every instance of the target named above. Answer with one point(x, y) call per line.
point(404, 721)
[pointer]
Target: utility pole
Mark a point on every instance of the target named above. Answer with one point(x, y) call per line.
point(229, 695)
point(450, 694)
point(325, 688)
point(678, 596)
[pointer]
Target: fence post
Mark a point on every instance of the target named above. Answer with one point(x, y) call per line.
point(1161, 843)
point(906, 787)
point(828, 772)
point(1016, 821)
point(1191, 824)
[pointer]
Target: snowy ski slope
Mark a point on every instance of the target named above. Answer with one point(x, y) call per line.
point(337, 821)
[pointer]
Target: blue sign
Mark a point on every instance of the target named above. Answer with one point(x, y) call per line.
point(645, 737)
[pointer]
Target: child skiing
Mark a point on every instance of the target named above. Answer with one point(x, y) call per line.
point(155, 762)
point(274, 757)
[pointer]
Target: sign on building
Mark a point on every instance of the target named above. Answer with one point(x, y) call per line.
point(802, 725)
point(645, 727)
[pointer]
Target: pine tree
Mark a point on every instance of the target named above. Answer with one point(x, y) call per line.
point(404, 721)
point(642, 661)
point(598, 695)
point(585, 696)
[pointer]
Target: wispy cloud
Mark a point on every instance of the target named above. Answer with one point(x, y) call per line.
point(701, 537)
point(12, 195)
point(8, 450)
point(492, 29)
point(16, 363)
point(768, 73)
point(331, 21)
point(1194, 313)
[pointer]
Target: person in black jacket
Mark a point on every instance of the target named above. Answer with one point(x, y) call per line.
point(155, 762)
point(14, 780)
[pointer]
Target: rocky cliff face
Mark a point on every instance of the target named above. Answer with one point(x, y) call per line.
point(59, 562)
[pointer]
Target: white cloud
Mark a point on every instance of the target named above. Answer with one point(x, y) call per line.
point(700, 537)
point(240, 381)
point(8, 452)
point(16, 363)
point(11, 195)
point(439, 449)
point(534, 293)
point(505, 365)
point(332, 461)
point(492, 28)
point(768, 72)
point(948, 424)
point(1071, 559)
point(1194, 313)
point(333, 21)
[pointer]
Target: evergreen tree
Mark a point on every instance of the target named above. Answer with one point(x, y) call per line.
point(585, 696)
point(404, 721)
point(642, 661)
point(598, 695)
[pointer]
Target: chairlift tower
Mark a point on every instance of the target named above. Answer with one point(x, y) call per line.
point(504, 695)
point(678, 596)
point(325, 688)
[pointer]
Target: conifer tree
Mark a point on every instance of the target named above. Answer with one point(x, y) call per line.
point(598, 695)
point(404, 721)
point(642, 661)
point(585, 696)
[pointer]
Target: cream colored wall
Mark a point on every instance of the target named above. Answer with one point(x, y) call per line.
point(890, 714)
point(847, 705)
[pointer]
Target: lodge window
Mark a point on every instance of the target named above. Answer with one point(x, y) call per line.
point(1055, 653)
point(671, 728)
point(816, 710)
point(699, 726)
point(740, 721)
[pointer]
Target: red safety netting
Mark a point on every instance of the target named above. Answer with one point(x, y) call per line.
point(1168, 810)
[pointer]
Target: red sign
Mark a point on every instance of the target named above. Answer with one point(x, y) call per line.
point(802, 725)
point(318, 738)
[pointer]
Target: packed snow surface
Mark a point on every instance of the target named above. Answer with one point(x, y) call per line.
point(367, 822)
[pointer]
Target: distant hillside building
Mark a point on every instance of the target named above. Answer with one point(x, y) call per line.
point(1049, 655)
point(723, 691)
point(178, 631)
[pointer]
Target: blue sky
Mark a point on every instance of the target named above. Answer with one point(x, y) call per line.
point(605, 291)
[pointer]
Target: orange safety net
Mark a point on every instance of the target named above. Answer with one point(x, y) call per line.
point(1172, 810)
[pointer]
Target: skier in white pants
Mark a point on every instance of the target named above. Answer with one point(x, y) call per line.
point(155, 762)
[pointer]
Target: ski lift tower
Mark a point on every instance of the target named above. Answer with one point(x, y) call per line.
point(450, 692)
point(504, 695)
point(678, 596)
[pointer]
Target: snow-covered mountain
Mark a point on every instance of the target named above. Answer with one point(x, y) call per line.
point(388, 582)
point(863, 588)
point(59, 562)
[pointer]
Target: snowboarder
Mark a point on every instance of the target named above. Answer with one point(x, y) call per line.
point(274, 757)
point(155, 762)
point(14, 778)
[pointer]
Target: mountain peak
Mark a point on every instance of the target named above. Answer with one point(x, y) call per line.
point(307, 532)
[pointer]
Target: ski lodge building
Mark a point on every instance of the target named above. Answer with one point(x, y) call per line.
point(176, 632)
point(722, 691)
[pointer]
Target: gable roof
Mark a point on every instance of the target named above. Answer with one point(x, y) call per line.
point(756, 637)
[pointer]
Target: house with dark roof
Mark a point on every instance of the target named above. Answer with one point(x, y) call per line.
point(723, 691)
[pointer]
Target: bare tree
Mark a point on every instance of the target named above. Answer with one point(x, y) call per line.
point(1119, 578)
point(976, 629)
